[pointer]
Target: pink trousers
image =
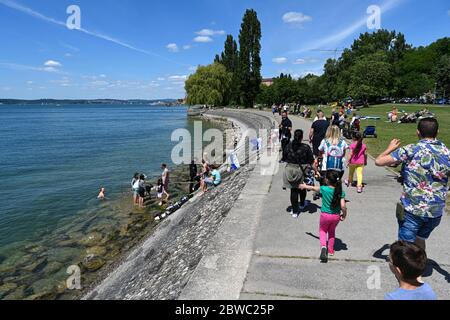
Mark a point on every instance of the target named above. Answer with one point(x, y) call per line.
point(328, 224)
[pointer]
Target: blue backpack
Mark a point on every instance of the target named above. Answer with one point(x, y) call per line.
point(335, 156)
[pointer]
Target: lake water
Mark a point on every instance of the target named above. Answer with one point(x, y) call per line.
point(53, 161)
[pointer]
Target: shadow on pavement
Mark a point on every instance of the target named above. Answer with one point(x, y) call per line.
point(379, 253)
point(338, 244)
point(433, 265)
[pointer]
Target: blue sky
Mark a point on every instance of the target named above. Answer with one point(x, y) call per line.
point(147, 48)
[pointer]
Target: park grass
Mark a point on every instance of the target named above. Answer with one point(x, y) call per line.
point(405, 132)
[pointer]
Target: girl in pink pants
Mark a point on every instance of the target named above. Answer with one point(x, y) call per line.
point(334, 210)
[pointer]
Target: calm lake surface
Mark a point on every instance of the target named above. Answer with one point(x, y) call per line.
point(53, 161)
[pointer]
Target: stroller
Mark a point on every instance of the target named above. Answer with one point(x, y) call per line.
point(371, 130)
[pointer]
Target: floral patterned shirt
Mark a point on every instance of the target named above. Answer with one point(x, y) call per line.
point(426, 170)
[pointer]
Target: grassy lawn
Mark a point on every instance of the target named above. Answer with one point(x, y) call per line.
point(405, 132)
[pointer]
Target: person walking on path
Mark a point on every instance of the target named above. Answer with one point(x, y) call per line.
point(426, 170)
point(408, 262)
point(334, 210)
point(318, 131)
point(333, 149)
point(285, 132)
point(357, 161)
point(298, 157)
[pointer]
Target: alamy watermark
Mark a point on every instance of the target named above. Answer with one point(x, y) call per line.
point(74, 20)
point(223, 147)
point(374, 19)
point(74, 281)
point(374, 280)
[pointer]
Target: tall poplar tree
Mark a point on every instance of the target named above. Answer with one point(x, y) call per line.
point(249, 58)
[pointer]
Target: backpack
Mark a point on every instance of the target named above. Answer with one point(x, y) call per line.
point(335, 156)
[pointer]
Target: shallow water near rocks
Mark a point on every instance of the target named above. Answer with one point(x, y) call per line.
point(53, 161)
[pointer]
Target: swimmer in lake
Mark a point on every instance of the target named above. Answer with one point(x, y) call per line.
point(101, 195)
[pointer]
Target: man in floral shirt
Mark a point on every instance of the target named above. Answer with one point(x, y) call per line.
point(426, 170)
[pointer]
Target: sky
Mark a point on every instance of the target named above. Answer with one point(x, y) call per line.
point(146, 49)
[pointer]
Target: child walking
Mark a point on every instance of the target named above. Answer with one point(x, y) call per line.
point(334, 210)
point(357, 161)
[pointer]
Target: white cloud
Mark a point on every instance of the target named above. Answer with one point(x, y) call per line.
point(203, 39)
point(68, 55)
point(50, 69)
point(336, 38)
point(279, 60)
point(306, 60)
point(193, 68)
point(30, 82)
point(52, 64)
point(296, 18)
point(172, 47)
point(313, 72)
point(21, 67)
point(178, 78)
point(161, 79)
point(210, 32)
point(187, 47)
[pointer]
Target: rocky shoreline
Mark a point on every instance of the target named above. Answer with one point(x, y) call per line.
point(39, 272)
point(160, 266)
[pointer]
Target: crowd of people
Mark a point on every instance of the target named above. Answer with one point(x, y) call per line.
point(208, 176)
point(425, 172)
point(141, 189)
point(395, 116)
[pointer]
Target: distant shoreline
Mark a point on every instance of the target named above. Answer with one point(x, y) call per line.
point(132, 102)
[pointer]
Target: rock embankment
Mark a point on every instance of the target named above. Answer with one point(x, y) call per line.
point(162, 265)
point(161, 268)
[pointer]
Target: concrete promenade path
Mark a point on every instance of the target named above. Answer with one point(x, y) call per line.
point(280, 258)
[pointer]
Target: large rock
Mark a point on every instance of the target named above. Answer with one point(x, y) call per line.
point(96, 251)
point(92, 263)
point(92, 239)
point(7, 288)
point(52, 267)
point(18, 294)
point(34, 248)
point(36, 266)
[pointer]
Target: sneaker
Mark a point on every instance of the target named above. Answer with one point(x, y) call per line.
point(163, 216)
point(157, 218)
point(295, 215)
point(347, 183)
point(324, 255)
point(331, 254)
point(360, 190)
point(289, 209)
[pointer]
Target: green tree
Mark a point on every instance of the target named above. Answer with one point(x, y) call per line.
point(443, 75)
point(230, 59)
point(208, 85)
point(370, 76)
point(249, 58)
